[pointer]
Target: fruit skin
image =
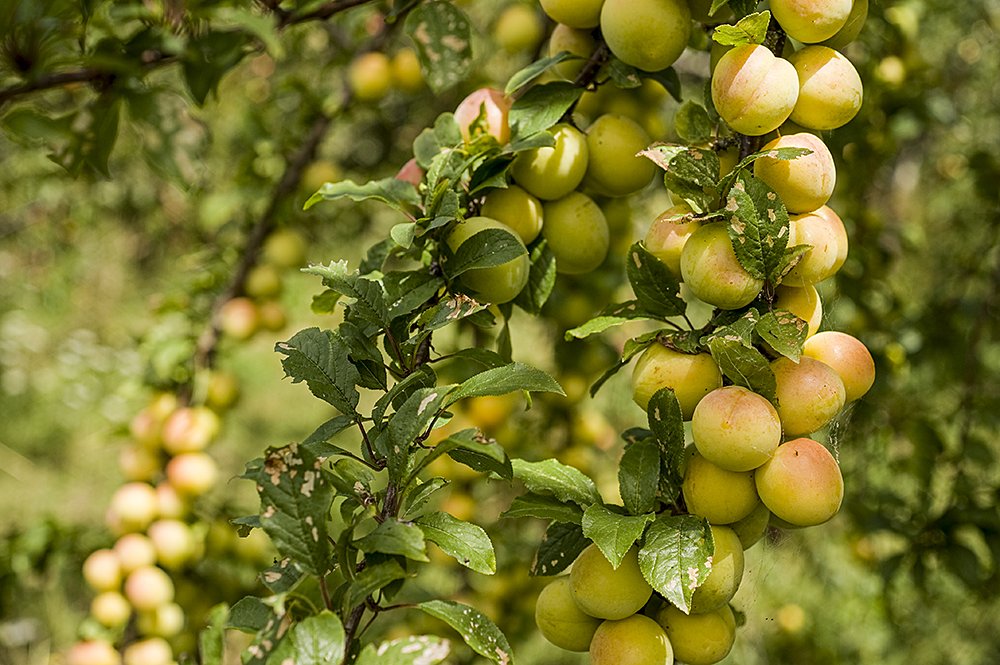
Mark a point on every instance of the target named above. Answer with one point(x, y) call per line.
point(801, 484)
point(810, 394)
point(577, 233)
point(518, 28)
point(110, 609)
point(190, 428)
point(718, 495)
point(496, 284)
point(370, 76)
point(735, 428)
point(263, 281)
point(830, 89)
point(286, 248)
point(496, 106)
point(753, 90)
point(637, 640)
point(406, 72)
point(726, 574)
point(411, 172)
point(852, 28)
point(691, 376)
point(613, 168)
point(102, 570)
point(174, 542)
point(134, 551)
point(752, 528)
point(665, 239)
point(238, 318)
point(648, 34)
point(803, 302)
point(804, 183)
point(93, 652)
point(148, 587)
point(811, 21)
point(133, 506)
point(560, 619)
point(516, 208)
point(711, 270)
point(192, 474)
point(699, 639)
point(574, 13)
point(824, 231)
point(577, 42)
point(150, 651)
point(848, 357)
point(605, 592)
point(164, 621)
point(552, 172)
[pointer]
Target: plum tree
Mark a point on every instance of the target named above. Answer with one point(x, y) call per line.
point(132, 507)
point(575, 41)
point(370, 76)
point(726, 573)
point(753, 90)
point(830, 89)
point(495, 284)
point(102, 570)
point(811, 21)
point(810, 394)
point(552, 172)
point(711, 270)
point(493, 105)
point(613, 167)
point(577, 233)
point(148, 587)
point(192, 474)
point(574, 13)
point(666, 238)
point(637, 640)
point(735, 428)
point(560, 619)
point(848, 357)
point(803, 302)
point(518, 28)
point(720, 496)
point(110, 609)
point(699, 639)
point(801, 484)
point(804, 183)
point(823, 230)
point(516, 208)
point(647, 34)
point(752, 528)
point(605, 592)
point(690, 376)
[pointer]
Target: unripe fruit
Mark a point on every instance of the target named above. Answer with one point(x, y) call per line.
point(164, 621)
point(803, 302)
point(700, 12)
point(848, 357)
point(690, 376)
point(133, 506)
point(613, 168)
point(560, 620)
point(605, 592)
point(718, 495)
point(286, 248)
point(318, 174)
point(174, 542)
point(753, 90)
point(711, 270)
point(825, 232)
point(665, 239)
point(637, 640)
point(406, 72)
point(190, 429)
point(263, 281)
point(138, 463)
point(238, 318)
point(752, 528)
point(170, 504)
point(148, 587)
point(699, 639)
point(810, 394)
point(516, 208)
point(192, 474)
point(496, 284)
point(151, 651)
point(102, 570)
point(574, 13)
point(811, 21)
point(222, 391)
point(110, 609)
point(647, 34)
point(572, 40)
point(552, 172)
point(577, 233)
point(830, 89)
point(725, 575)
point(802, 483)
point(494, 105)
point(804, 183)
point(370, 76)
point(518, 28)
point(735, 428)
point(272, 315)
point(851, 29)
point(134, 551)
point(93, 652)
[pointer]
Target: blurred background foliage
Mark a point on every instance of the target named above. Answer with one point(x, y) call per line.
point(127, 194)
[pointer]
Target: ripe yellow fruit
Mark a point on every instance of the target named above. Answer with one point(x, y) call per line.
point(848, 356)
point(801, 484)
point(852, 28)
point(726, 574)
point(699, 639)
point(516, 208)
point(753, 90)
point(406, 72)
point(804, 183)
point(637, 640)
point(148, 587)
point(572, 40)
point(552, 172)
point(720, 496)
point(802, 301)
point(811, 21)
point(735, 428)
point(824, 232)
point(102, 570)
point(370, 76)
point(518, 28)
point(810, 394)
point(665, 239)
point(830, 89)
point(690, 376)
point(560, 619)
point(496, 284)
point(574, 13)
point(577, 233)
point(495, 107)
point(613, 167)
point(647, 34)
point(605, 592)
point(709, 268)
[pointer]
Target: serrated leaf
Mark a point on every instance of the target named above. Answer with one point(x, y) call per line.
point(370, 580)
point(443, 37)
point(395, 193)
point(544, 507)
point(477, 629)
point(656, 288)
point(758, 226)
point(465, 542)
point(692, 123)
point(541, 107)
point(784, 332)
point(675, 558)
point(408, 422)
point(744, 366)
point(410, 650)
point(249, 615)
point(503, 380)
point(536, 69)
point(562, 481)
point(485, 249)
point(638, 476)
point(561, 545)
point(453, 308)
point(541, 279)
point(282, 576)
point(369, 301)
point(318, 639)
point(320, 358)
point(751, 29)
point(613, 533)
point(666, 423)
point(395, 538)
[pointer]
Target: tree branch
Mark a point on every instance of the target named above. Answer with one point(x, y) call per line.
point(85, 75)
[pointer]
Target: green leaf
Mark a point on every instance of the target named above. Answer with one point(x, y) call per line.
point(411, 650)
point(212, 638)
point(295, 499)
point(744, 366)
point(453, 308)
point(466, 543)
point(328, 430)
point(536, 69)
point(666, 423)
point(282, 576)
point(249, 615)
point(675, 558)
point(268, 642)
point(395, 193)
point(561, 545)
point(485, 249)
point(541, 279)
point(410, 421)
point(477, 629)
point(318, 640)
point(443, 37)
point(395, 538)
point(692, 123)
point(622, 75)
point(503, 380)
point(633, 347)
point(483, 456)
point(418, 497)
point(758, 226)
point(320, 358)
point(369, 299)
point(208, 57)
point(552, 477)
point(370, 580)
point(613, 533)
point(541, 107)
point(751, 29)
point(612, 316)
point(784, 332)
point(638, 476)
point(656, 288)
point(669, 79)
point(544, 507)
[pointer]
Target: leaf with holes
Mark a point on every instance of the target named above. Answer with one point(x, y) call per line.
point(561, 545)
point(443, 37)
point(676, 557)
point(466, 543)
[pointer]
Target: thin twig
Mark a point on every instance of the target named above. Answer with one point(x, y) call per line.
point(85, 75)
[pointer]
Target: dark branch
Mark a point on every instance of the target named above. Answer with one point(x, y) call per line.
point(85, 75)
